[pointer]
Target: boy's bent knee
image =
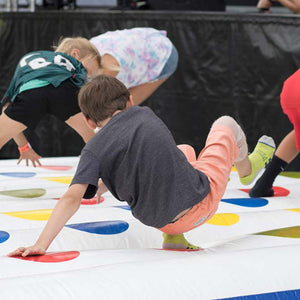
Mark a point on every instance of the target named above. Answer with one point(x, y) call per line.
point(226, 121)
point(231, 124)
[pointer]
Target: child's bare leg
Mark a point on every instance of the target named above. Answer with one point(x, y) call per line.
point(141, 92)
point(257, 160)
point(9, 129)
point(248, 167)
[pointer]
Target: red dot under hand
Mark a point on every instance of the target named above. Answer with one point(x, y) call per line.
point(51, 257)
point(95, 200)
point(91, 201)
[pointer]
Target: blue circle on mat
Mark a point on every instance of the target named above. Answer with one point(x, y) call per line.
point(18, 174)
point(103, 227)
point(126, 207)
point(3, 236)
point(247, 202)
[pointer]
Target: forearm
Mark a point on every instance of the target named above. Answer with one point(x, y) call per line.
point(63, 211)
point(293, 5)
point(20, 139)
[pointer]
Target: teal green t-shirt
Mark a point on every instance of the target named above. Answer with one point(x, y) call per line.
point(40, 68)
point(33, 84)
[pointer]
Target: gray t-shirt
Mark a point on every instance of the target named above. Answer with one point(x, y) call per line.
point(137, 158)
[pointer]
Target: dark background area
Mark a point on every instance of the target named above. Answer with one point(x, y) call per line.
point(232, 64)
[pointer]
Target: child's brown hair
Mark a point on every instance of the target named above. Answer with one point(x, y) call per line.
point(100, 98)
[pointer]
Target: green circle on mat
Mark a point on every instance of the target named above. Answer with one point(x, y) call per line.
point(288, 232)
point(291, 174)
point(26, 193)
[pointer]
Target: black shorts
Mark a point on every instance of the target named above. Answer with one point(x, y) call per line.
point(31, 106)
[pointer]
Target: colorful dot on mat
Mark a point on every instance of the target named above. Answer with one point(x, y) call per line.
point(25, 193)
point(126, 207)
point(56, 168)
point(65, 179)
point(288, 232)
point(51, 257)
point(3, 236)
point(92, 201)
point(18, 174)
point(291, 174)
point(224, 219)
point(103, 227)
point(278, 191)
point(34, 215)
point(294, 209)
point(180, 250)
point(247, 202)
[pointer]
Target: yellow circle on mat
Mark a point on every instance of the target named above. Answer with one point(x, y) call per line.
point(35, 215)
point(64, 179)
point(225, 219)
point(294, 209)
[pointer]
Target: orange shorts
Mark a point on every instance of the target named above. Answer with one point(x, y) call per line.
point(215, 161)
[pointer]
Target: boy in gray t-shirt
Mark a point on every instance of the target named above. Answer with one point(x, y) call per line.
point(137, 159)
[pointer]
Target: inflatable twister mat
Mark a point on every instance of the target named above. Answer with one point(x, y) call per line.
point(249, 249)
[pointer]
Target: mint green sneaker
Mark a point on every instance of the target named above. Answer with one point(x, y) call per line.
point(177, 242)
point(259, 158)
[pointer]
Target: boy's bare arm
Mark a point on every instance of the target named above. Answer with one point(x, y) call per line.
point(63, 211)
point(293, 5)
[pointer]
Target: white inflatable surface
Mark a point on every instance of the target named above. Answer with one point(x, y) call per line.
point(251, 246)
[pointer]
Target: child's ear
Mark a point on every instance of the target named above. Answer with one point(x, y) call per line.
point(75, 53)
point(130, 101)
point(91, 124)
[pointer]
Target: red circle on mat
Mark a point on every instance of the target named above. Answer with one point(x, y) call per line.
point(92, 201)
point(57, 168)
point(278, 191)
point(52, 257)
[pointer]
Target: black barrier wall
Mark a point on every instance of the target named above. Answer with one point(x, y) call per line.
point(228, 64)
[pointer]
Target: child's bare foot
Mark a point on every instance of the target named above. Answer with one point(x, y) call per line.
point(173, 242)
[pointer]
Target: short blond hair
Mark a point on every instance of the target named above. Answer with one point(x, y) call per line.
point(86, 48)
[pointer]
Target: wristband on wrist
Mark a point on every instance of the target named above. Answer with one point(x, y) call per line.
point(24, 148)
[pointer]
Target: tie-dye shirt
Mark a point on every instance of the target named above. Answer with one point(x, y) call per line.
point(141, 52)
